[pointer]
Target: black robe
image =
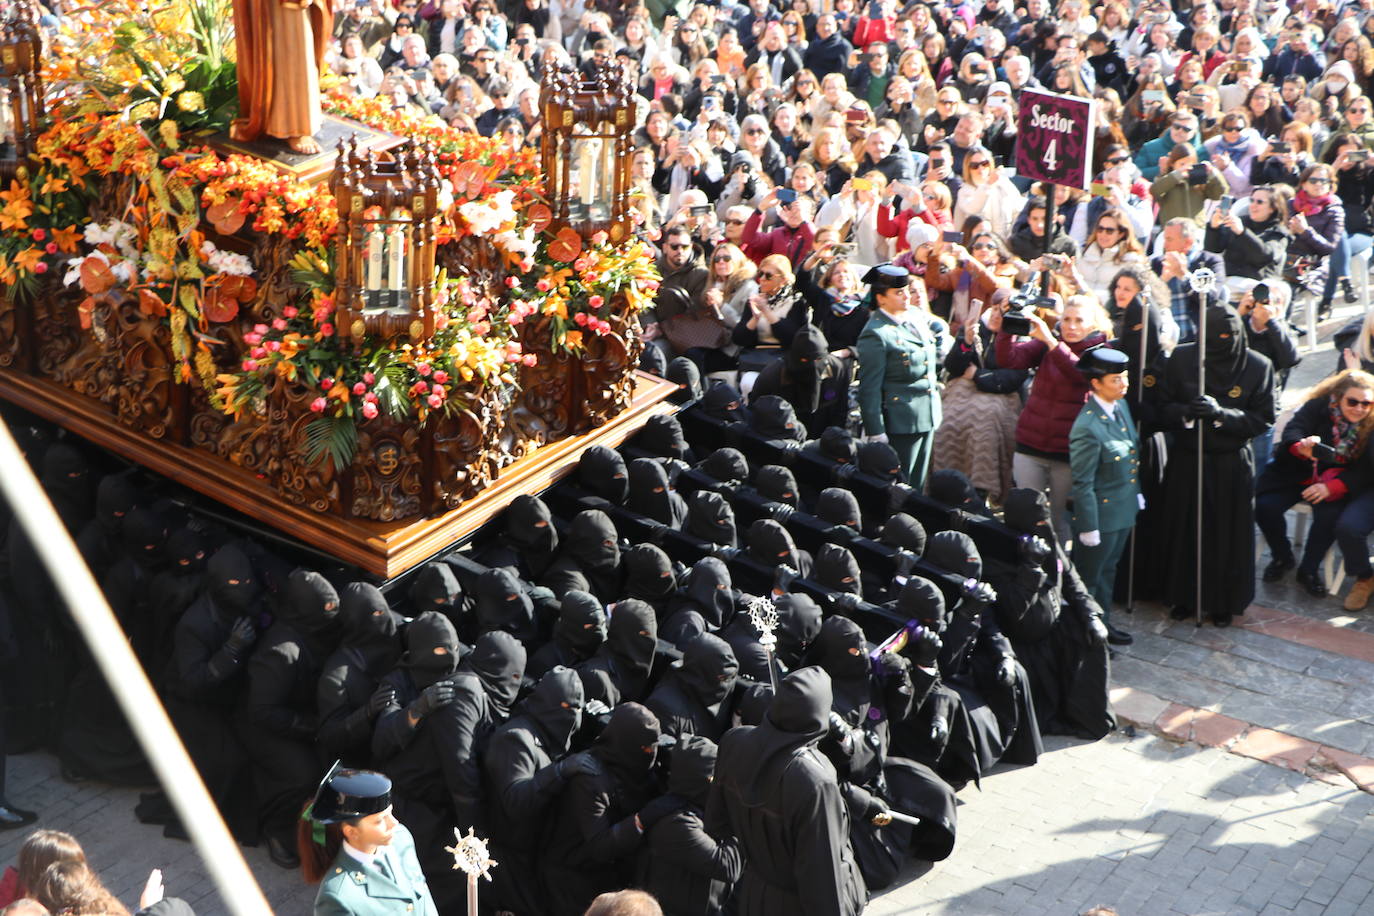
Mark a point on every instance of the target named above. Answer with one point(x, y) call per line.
point(815, 383)
point(1242, 383)
point(369, 649)
point(501, 602)
point(589, 560)
point(620, 669)
point(649, 577)
point(602, 472)
point(436, 588)
point(522, 785)
point(703, 605)
point(1047, 613)
point(689, 871)
point(781, 798)
point(695, 699)
point(528, 541)
point(652, 496)
point(279, 719)
point(799, 621)
point(711, 518)
point(593, 840)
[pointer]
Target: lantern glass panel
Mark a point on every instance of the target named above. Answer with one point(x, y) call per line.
point(388, 250)
point(588, 184)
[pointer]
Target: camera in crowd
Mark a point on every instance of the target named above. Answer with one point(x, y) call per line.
point(1017, 320)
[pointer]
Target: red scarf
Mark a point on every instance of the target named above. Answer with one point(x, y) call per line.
point(1308, 205)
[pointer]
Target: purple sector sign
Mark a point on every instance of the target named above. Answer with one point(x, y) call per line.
point(1054, 138)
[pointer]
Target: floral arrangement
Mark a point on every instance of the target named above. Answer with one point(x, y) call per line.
point(128, 120)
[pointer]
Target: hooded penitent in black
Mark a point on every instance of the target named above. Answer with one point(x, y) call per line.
point(578, 633)
point(773, 419)
point(726, 465)
point(590, 559)
point(1046, 612)
point(839, 507)
point(649, 576)
point(528, 540)
point(500, 601)
point(810, 379)
point(621, 667)
point(834, 445)
point(66, 480)
point(601, 471)
point(685, 374)
point(432, 654)
point(436, 588)
point(173, 589)
point(777, 484)
point(711, 518)
point(1240, 384)
point(687, 870)
point(771, 544)
point(101, 540)
point(594, 836)
point(878, 459)
point(693, 699)
point(704, 604)
point(652, 496)
point(662, 436)
point(722, 401)
point(369, 647)
point(523, 782)
point(780, 797)
point(799, 620)
point(954, 489)
point(904, 532)
point(837, 569)
point(283, 675)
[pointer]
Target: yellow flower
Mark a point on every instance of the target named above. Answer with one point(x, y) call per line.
point(143, 111)
point(190, 100)
point(173, 84)
point(167, 130)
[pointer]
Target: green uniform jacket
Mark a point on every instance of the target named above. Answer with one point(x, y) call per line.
point(1105, 463)
point(350, 889)
point(898, 390)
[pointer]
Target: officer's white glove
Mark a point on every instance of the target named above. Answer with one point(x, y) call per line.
point(1090, 538)
point(1140, 500)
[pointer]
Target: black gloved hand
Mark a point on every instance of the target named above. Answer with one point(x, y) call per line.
point(1034, 549)
point(241, 636)
point(925, 650)
point(844, 601)
point(1202, 407)
point(841, 732)
point(435, 696)
point(782, 579)
point(657, 810)
point(1097, 630)
point(580, 764)
point(381, 698)
point(1006, 671)
point(939, 730)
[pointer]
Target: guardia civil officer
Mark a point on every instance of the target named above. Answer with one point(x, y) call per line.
point(1105, 465)
point(349, 838)
point(899, 395)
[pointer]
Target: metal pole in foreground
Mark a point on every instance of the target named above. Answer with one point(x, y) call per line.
point(1140, 445)
point(127, 681)
point(1203, 298)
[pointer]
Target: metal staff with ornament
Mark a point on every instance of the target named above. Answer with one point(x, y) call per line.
point(763, 614)
point(1203, 282)
point(470, 856)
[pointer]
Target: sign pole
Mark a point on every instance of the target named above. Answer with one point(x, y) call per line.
point(1051, 206)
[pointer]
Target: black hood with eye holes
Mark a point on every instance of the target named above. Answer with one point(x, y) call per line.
point(601, 471)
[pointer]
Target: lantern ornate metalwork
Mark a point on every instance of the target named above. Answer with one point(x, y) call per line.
point(388, 217)
point(586, 147)
point(21, 53)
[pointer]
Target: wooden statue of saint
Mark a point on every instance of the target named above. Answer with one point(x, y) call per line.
point(281, 46)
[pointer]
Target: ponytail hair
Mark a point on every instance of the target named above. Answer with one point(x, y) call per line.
point(316, 857)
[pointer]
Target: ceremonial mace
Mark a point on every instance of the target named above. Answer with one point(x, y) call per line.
point(470, 856)
point(763, 614)
point(1202, 281)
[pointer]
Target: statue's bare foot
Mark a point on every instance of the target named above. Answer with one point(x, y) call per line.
point(305, 145)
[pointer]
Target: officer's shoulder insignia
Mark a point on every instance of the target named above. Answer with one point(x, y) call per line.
point(1234, 392)
point(1148, 381)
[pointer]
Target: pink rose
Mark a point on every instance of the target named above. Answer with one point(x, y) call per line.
point(369, 410)
point(595, 301)
point(435, 401)
point(421, 387)
point(273, 346)
point(326, 383)
point(250, 365)
point(290, 311)
point(580, 319)
point(51, 248)
point(438, 391)
point(513, 282)
point(369, 378)
point(319, 404)
point(39, 235)
point(279, 324)
point(260, 329)
point(580, 265)
point(251, 338)
point(542, 286)
point(327, 329)
point(529, 359)
point(423, 368)
point(41, 267)
point(514, 319)
point(359, 388)
point(258, 352)
point(370, 397)
point(441, 377)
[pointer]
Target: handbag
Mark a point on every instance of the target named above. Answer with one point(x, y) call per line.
point(697, 328)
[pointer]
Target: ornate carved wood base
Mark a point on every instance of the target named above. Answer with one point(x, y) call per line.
point(380, 548)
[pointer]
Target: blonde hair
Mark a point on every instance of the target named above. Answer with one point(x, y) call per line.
point(1337, 385)
point(779, 263)
point(1094, 315)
